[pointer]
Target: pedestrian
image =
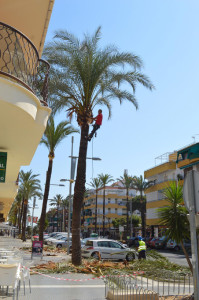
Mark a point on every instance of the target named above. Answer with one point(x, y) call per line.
point(141, 248)
point(96, 126)
point(14, 234)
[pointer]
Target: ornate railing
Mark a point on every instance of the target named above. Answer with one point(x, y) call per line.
point(19, 60)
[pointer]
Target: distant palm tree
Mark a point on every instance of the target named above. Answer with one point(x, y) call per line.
point(57, 201)
point(126, 182)
point(52, 137)
point(104, 179)
point(64, 205)
point(29, 187)
point(96, 184)
point(141, 185)
point(174, 217)
point(83, 76)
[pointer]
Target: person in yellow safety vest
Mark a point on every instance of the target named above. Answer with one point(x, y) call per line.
point(141, 248)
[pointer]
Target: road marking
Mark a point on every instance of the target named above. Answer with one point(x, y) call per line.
point(66, 286)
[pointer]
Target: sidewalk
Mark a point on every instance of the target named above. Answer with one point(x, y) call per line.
point(46, 287)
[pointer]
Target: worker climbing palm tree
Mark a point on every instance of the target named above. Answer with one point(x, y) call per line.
point(96, 126)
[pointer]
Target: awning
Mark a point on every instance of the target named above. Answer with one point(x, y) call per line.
point(189, 152)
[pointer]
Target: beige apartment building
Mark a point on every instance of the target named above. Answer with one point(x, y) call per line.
point(115, 207)
point(23, 89)
point(161, 175)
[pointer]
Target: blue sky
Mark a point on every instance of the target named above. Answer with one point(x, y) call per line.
point(165, 34)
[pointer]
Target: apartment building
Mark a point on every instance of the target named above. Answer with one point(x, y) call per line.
point(161, 175)
point(23, 89)
point(115, 207)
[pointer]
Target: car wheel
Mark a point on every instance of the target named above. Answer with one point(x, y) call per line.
point(96, 255)
point(176, 248)
point(59, 246)
point(130, 256)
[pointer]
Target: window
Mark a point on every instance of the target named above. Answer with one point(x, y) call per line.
point(114, 245)
point(103, 244)
point(109, 200)
point(89, 243)
point(115, 201)
point(116, 210)
point(109, 210)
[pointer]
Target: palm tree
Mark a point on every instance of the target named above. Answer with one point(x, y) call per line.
point(126, 182)
point(29, 187)
point(104, 179)
point(174, 217)
point(96, 184)
point(141, 185)
point(84, 76)
point(57, 201)
point(52, 137)
point(64, 205)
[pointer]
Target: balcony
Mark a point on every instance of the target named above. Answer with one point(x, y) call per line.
point(23, 102)
point(20, 62)
point(171, 165)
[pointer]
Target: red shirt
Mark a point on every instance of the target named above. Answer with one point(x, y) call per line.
point(99, 119)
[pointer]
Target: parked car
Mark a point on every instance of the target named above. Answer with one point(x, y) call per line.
point(173, 245)
point(148, 239)
point(57, 237)
point(152, 242)
point(61, 242)
point(161, 242)
point(107, 249)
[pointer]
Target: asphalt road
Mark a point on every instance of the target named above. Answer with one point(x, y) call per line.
point(175, 257)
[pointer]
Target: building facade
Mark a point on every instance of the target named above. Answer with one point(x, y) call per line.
point(115, 207)
point(23, 89)
point(161, 176)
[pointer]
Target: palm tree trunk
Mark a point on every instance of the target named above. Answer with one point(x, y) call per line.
point(78, 197)
point(143, 213)
point(96, 213)
point(104, 212)
point(45, 200)
point(187, 257)
point(64, 219)
point(127, 212)
point(20, 217)
point(25, 206)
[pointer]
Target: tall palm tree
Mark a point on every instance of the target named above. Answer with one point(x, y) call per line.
point(126, 182)
point(96, 184)
point(82, 77)
point(174, 217)
point(52, 137)
point(29, 187)
point(141, 185)
point(104, 179)
point(57, 201)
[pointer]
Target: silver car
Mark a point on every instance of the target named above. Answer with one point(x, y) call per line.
point(107, 249)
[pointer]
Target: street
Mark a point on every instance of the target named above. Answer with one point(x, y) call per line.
point(175, 257)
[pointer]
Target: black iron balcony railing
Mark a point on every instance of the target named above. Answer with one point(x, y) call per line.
point(19, 60)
